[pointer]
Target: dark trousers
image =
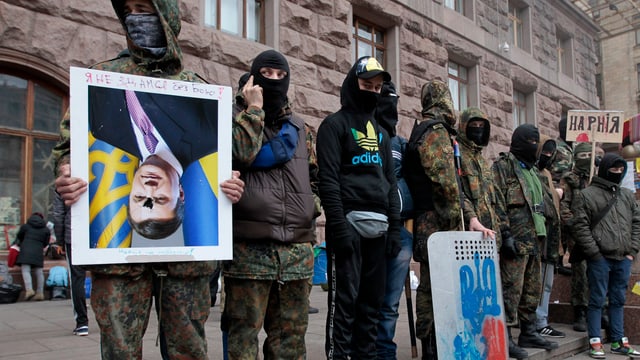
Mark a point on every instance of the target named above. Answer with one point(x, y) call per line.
point(78, 295)
point(356, 292)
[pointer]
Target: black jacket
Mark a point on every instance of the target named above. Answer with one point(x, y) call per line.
point(32, 237)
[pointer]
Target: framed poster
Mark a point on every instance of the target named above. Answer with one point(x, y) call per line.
point(467, 296)
point(153, 152)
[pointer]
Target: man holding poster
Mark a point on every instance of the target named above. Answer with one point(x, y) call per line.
point(121, 293)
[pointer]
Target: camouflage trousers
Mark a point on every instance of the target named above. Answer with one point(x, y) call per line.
point(424, 304)
point(521, 287)
point(282, 308)
point(122, 306)
point(579, 284)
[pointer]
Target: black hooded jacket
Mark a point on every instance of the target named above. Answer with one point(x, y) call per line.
point(355, 164)
point(32, 237)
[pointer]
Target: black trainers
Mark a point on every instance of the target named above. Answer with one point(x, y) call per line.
point(81, 331)
point(550, 332)
point(313, 310)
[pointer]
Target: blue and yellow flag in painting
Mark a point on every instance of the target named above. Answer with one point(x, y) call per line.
point(110, 176)
point(199, 182)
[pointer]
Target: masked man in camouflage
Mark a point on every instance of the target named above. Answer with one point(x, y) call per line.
point(549, 249)
point(523, 230)
point(572, 182)
point(121, 293)
point(432, 177)
point(476, 178)
point(267, 282)
point(563, 161)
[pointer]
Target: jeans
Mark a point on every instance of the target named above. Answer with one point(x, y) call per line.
point(542, 312)
point(610, 278)
point(397, 270)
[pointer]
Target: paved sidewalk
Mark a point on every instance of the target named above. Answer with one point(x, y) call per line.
point(42, 331)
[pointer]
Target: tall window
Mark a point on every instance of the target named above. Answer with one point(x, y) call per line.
point(637, 32)
point(516, 28)
point(519, 108)
point(30, 114)
point(565, 53)
point(638, 75)
point(368, 40)
point(457, 5)
point(239, 17)
point(459, 85)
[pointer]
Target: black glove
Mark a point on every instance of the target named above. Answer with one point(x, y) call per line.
point(508, 248)
point(393, 245)
point(341, 242)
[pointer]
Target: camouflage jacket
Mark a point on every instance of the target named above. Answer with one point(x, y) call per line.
point(268, 260)
point(562, 162)
point(552, 219)
point(138, 61)
point(476, 179)
point(572, 183)
point(515, 206)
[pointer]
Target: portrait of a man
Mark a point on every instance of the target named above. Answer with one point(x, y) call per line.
point(160, 137)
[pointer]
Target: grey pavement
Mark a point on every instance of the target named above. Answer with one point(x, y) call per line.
point(43, 330)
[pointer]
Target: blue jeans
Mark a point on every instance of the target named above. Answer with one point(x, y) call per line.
point(397, 270)
point(542, 312)
point(607, 278)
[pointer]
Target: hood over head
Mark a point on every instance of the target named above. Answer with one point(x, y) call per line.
point(241, 83)
point(36, 220)
point(546, 144)
point(274, 91)
point(169, 60)
point(436, 101)
point(583, 165)
point(524, 144)
point(608, 161)
point(478, 136)
point(351, 96)
point(387, 108)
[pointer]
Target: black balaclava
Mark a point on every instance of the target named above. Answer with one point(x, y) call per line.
point(274, 92)
point(582, 165)
point(146, 31)
point(545, 160)
point(609, 161)
point(524, 144)
point(241, 83)
point(562, 129)
point(387, 108)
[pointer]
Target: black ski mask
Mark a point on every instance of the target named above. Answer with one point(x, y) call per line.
point(387, 108)
point(609, 161)
point(475, 134)
point(545, 160)
point(146, 31)
point(524, 144)
point(274, 92)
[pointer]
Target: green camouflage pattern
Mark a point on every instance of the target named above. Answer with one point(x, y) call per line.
point(551, 245)
point(572, 183)
point(521, 287)
point(436, 102)
point(514, 205)
point(563, 161)
point(262, 260)
point(424, 304)
point(476, 178)
point(281, 309)
point(121, 293)
point(122, 305)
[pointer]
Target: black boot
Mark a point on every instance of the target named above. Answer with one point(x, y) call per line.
point(429, 348)
point(530, 338)
point(580, 318)
point(515, 351)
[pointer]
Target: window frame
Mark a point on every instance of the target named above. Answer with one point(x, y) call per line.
point(465, 81)
point(242, 20)
point(458, 5)
point(519, 108)
point(29, 136)
point(372, 43)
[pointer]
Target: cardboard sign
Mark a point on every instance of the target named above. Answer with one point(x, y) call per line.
point(153, 152)
point(467, 296)
point(595, 126)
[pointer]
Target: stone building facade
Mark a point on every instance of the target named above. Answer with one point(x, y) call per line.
point(536, 58)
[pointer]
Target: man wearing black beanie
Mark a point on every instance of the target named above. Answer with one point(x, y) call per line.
point(267, 282)
point(522, 226)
